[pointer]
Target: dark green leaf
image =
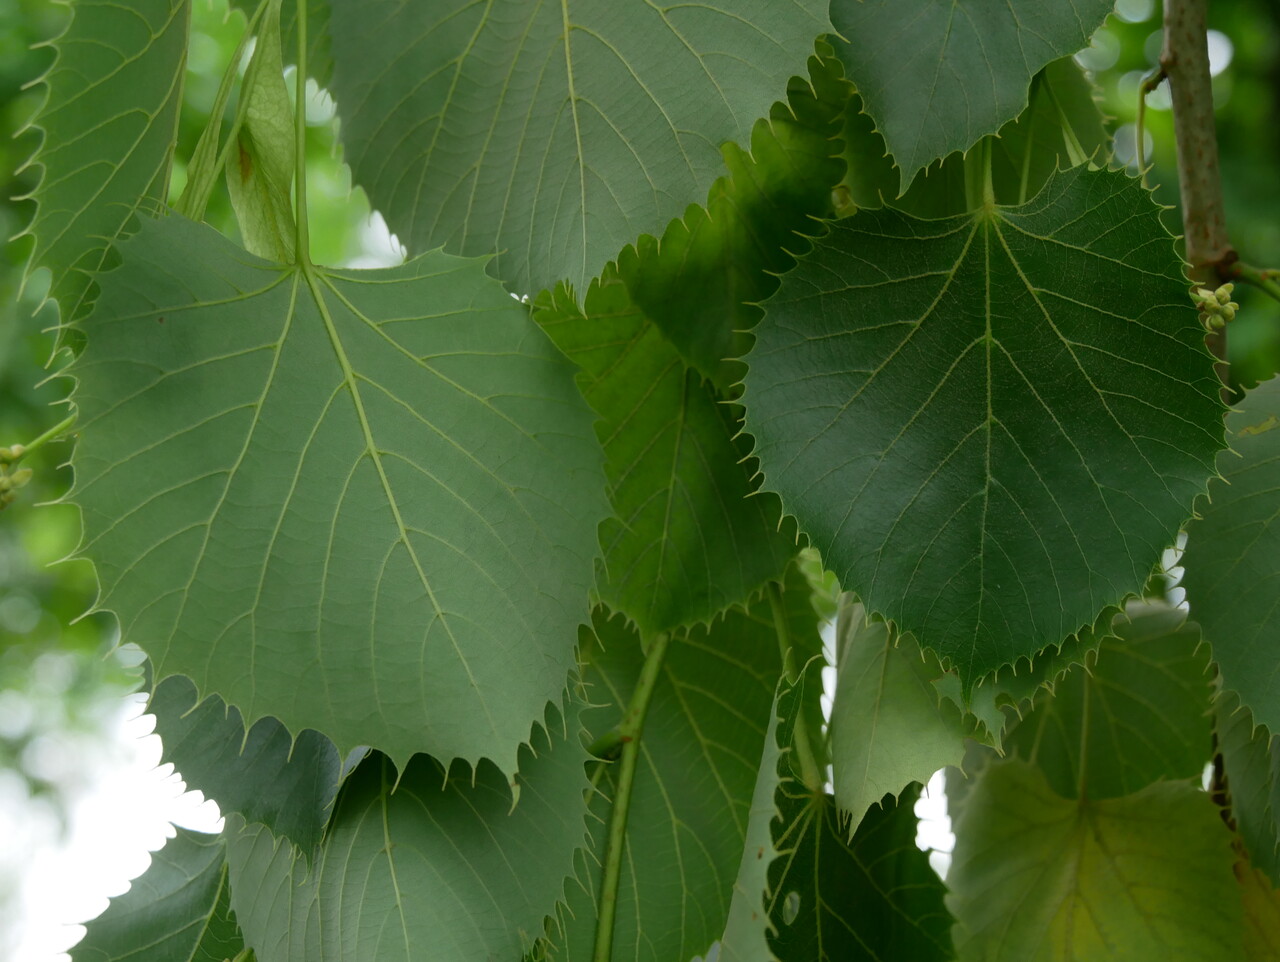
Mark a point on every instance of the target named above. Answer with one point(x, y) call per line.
point(938, 75)
point(109, 124)
point(422, 867)
point(687, 539)
point(870, 898)
point(989, 425)
point(1036, 877)
point(363, 502)
point(1232, 559)
point(177, 911)
point(266, 776)
point(1132, 714)
point(554, 133)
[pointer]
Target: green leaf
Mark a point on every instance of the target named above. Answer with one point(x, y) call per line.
point(177, 911)
point(889, 724)
point(266, 775)
point(1261, 904)
point(1132, 714)
point(260, 176)
point(319, 58)
point(554, 133)
point(746, 931)
point(686, 539)
point(701, 283)
point(1251, 760)
point(937, 76)
point(1146, 876)
point(990, 425)
point(109, 123)
point(423, 866)
point(363, 502)
point(871, 898)
point(1232, 559)
point(692, 799)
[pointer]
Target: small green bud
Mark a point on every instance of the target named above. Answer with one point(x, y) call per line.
point(1215, 322)
point(1202, 295)
point(1223, 293)
point(12, 453)
point(1228, 311)
point(20, 477)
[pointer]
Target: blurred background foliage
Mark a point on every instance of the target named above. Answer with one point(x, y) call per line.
point(60, 682)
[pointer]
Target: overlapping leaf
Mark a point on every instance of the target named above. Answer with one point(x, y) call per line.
point(686, 539)
point(690, 806)
point(990, 425)
point(702, 281)
point(1261, 904)
point(553, 133)
point(265, 775)
point(938, 75)
point(109, 123)
point(361, 502)
point(1133, 714)
point(1232, 559)
point(447, 870)
point(872, 898)
point(1251, 760)
point(178, 911)
point(890, 726)
point(1146, 876)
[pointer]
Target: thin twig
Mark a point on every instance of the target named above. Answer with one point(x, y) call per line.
point(1264, 280)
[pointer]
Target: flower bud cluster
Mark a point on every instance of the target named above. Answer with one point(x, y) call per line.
point(1216, 307)
point(11, 481)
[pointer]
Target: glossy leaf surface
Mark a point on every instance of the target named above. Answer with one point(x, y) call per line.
point(990, 425)
point(363, 502)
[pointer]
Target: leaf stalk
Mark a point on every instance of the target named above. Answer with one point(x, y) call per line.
point(629, 732)
point(303, 245)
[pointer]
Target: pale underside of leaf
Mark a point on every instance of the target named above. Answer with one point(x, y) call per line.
point(938, 75)
point(553, 133)
point(989, 425)
point(361, 502)
point(109, 123)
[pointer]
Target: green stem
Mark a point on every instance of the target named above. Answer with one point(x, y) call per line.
point(1265, 280)
point(629, 732)
point(303, 244)
point(809, 770)
point(53, 434)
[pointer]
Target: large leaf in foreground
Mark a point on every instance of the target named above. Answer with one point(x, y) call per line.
point(1132, 714)
point(1232, 559)
point(554, 133)
point(179, 910)
point(939, 74)
point(990, 425)
point(691, 803)
point(890, 726)
point(1251, 760)
point(364, 502)
point(109, 124)
point(420, 867)
point(686, 539)
point(265, 775)
point(1146, 876)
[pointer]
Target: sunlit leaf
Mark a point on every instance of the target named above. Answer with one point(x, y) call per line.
point(1133, 713)
point(109, 122)
point(554, 134)
point(990, 425)
point(1232, 559)
point(938, 75)
point(420, 867)
point(686, 539)
point(266, 776)
point(177, 911)
point(363, 502)
point(890, 726)
point(1146, 876)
